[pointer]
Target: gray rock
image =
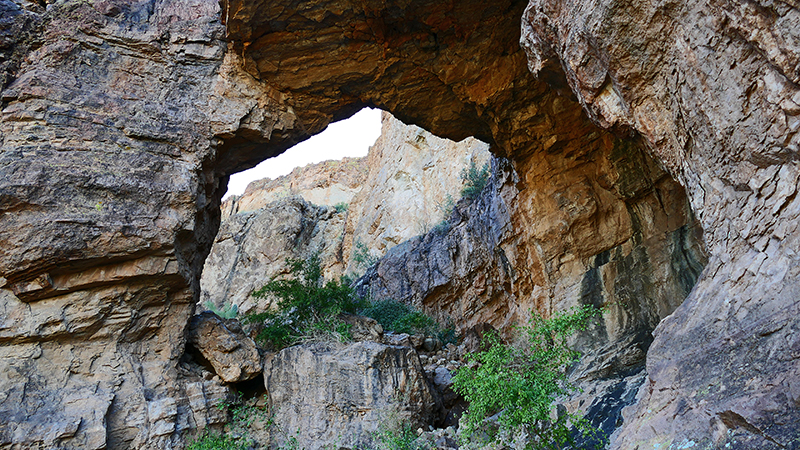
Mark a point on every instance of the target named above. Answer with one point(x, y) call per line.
point(340, 395)
point(363, 328)
point(225, 346)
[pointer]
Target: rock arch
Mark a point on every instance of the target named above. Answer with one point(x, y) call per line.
point(122, 120)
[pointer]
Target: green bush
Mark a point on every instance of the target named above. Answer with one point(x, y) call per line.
point(227, 311)
point(362, 256)
point(474, 180)
point(524, 383)
point(219, 441)
point(401, 318)
point(399, 438)
point(304, 304)
point(341, 207)
point(238, 436)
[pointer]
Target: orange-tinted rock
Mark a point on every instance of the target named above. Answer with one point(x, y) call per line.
point(121, 120)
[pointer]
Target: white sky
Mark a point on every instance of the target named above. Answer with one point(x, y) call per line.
point(349, 137)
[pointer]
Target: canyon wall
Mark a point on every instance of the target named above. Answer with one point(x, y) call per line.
point(122, 120)
point(399, 190)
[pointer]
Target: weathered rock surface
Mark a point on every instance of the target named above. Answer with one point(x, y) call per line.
point(121, 121)
point(110, 170)
point(252, 247)
point(506, 254)
point(412, 174)
point(325, 183)
point(224, 345)
point(339, 396)
point(398, 191)
point(712, 88)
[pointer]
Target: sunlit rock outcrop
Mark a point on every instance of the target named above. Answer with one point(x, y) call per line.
point(121, 121)
point(401, 189)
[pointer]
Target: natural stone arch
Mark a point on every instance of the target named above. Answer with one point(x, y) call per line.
point(109, 298)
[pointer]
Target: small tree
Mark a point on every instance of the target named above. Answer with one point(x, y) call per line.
point(522, 384)
point(304, 304)
point(474, 180)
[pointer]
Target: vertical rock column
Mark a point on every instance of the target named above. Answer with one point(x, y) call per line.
point(110, 160)
point(712, 87)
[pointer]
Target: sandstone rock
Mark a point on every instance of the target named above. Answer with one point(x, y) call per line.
point(251, 248)
point(325, 183)
point(492, 266)
point(223, 343)
point(339, 396)
point(363, 328)
point(123, 120)
point(412, 174)
point(701, 80)
point(398, 339)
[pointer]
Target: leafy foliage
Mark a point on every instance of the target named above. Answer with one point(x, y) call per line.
point(219, 441)
point(401, 318)
point(524, 383)
point(227, 311)
point(341, 207)
point(304, 304)
point(400, 438)
point(242, 416)
point(362, 256)
point(474, 180)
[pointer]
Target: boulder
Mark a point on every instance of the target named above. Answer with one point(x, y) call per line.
point(334, 395)
point(363, 328)
point(225, 346)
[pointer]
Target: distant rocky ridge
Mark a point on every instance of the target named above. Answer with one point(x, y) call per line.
point(337, 210)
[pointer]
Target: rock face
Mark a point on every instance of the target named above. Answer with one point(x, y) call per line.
point(121, 121)
point(111, 161)
point(366, 385)
point(326, 183)
point(231, 353)
point(412, 175)
point(495, 263)
point(253, 246)
point(712, 88)
point(398, 191)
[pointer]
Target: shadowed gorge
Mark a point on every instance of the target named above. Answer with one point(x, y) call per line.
point(647, 153)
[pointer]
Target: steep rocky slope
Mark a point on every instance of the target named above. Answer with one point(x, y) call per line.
point(121, 121)
point(399, 190)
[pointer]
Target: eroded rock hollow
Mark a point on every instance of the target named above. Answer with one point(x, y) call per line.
point(121, 122)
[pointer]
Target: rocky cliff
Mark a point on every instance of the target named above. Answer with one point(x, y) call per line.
point(399, 190)
point(326, 183)
point(122, 120)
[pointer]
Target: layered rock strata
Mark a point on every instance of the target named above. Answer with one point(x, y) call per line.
point(110, 171)
point(366, 386)
point(122, 120)
point(326, 183)
point(632, 246)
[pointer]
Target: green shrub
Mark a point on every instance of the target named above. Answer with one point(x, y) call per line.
point(238, 436)
point(398, 438)
point(474, 180)
point(219, 441)
point(227, 311)
point(401, 318)
point(303, 304)
point(524, 383)
point(341, 207)
point(362, 256)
